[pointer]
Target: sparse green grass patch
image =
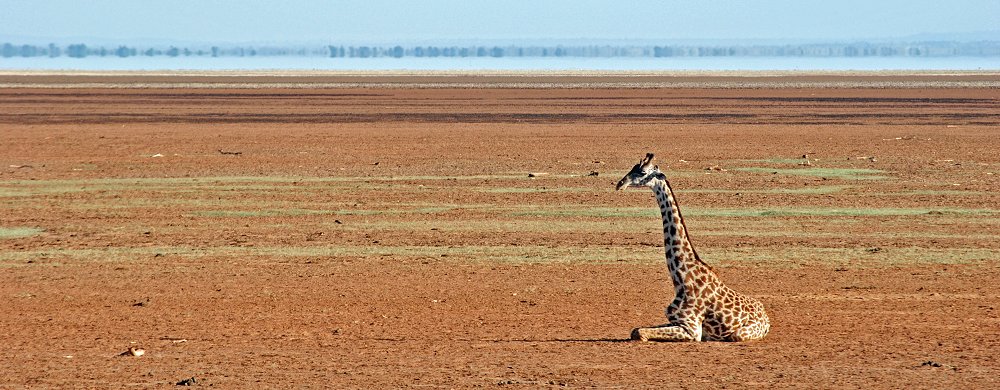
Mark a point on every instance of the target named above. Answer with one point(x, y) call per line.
point(260, 213)
point(853, 257)
point(596, 212)
point(22, 188)
point(790, 161)
point(807, 190)
point(18, 232)
point(938, 193)
point(411, 211)
point(294, 212)
point(831, 173)
point(484, 254)
point(532, 190)
point(765, 257)
point(837, 212)
point(629, 212)
point(520, 225)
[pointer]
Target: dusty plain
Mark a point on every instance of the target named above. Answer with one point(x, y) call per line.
point(294, 232)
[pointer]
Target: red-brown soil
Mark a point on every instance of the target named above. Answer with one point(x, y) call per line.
point(390, 237)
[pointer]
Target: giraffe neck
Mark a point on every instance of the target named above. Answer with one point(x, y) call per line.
point(682, 260)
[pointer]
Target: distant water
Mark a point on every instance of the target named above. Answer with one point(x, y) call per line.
point(504, 63)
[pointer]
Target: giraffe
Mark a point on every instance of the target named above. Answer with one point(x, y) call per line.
point(703, 309)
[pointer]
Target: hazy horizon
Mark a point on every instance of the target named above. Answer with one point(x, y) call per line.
point(382, 21)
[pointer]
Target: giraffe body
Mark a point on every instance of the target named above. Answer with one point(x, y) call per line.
point(704, 308)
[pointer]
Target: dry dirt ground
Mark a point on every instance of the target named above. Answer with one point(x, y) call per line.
point(391, 237)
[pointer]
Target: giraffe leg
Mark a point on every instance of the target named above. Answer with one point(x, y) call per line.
point(753, 331)
point(665, 333)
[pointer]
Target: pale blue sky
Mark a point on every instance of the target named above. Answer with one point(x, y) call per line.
point(379, 21)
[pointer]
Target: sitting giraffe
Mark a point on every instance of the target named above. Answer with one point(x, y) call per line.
point(703, 309)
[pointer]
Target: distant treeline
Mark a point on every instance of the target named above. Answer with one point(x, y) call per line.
point(860, 49)
point(81, 50)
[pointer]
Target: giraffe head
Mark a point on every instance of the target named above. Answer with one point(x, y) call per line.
point(640, 175)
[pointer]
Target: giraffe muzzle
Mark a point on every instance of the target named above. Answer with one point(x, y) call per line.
point(622, 184)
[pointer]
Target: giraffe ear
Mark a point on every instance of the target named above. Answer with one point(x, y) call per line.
point(647, 161)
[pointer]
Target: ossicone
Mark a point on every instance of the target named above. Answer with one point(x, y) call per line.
point(647, 161)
